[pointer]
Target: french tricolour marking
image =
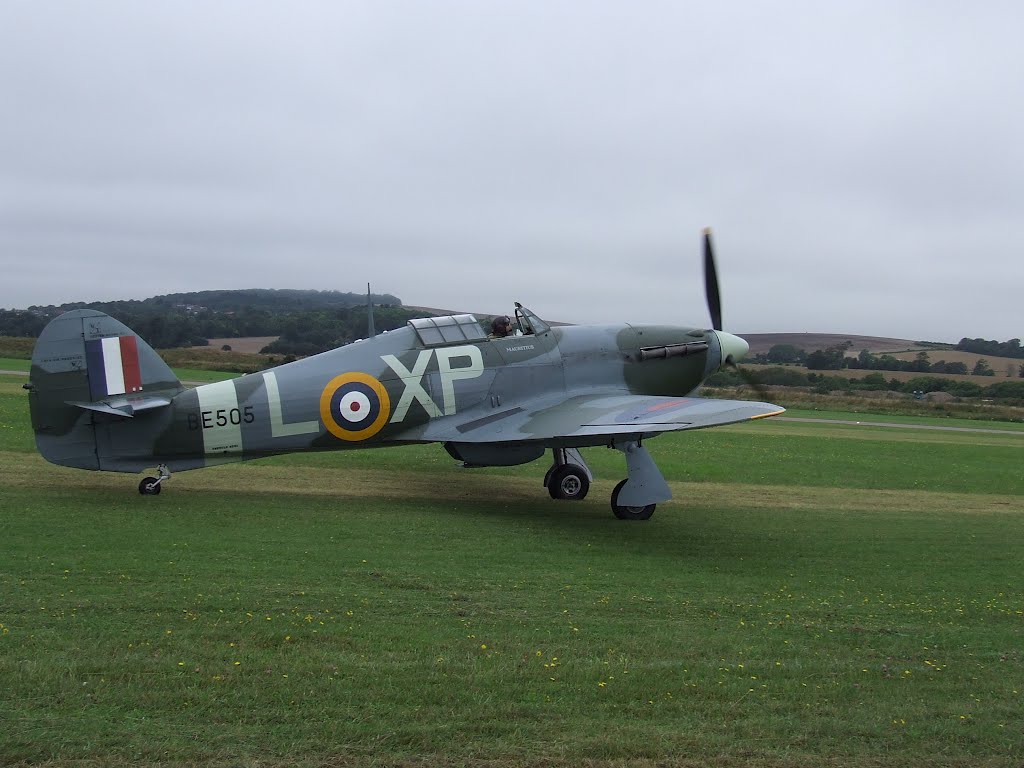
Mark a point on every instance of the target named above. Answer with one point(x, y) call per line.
point(113, 366)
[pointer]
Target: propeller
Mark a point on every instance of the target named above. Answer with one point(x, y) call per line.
point(733, 347)
point(711, 282)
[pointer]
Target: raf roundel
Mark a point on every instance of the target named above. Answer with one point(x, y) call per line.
point(354, 406)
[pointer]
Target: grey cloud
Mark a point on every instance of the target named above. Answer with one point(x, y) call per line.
point(861, 164)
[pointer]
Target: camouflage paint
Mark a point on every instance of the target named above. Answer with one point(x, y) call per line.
point(498, 400)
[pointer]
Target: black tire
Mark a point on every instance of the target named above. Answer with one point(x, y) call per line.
point(630, 513)
point(149, 486)
point(569, 483)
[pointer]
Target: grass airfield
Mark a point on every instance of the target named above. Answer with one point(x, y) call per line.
point(816, 594)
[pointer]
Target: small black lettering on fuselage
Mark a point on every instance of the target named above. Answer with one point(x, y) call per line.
point(221, 418)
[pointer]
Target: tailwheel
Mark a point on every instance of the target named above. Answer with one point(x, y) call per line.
point(568, 482)
point(630, 513)
point(150, 486)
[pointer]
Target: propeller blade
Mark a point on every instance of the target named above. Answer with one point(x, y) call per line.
point(711, 283)
point(733, 347)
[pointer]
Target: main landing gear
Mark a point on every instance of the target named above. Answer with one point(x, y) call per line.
point(635, 498)
point(150, 486)
point(623, 512)
point(569, 476)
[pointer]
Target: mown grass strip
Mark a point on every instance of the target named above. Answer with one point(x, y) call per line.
point(255, 479)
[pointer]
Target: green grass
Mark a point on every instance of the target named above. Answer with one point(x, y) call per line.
point(771, 453)
point(938, 421)
point(19, 347)
point(183, 374)
point(200, 376)
point(14, 364)
point(15, 427)
point(865, 403)
point(816, 595)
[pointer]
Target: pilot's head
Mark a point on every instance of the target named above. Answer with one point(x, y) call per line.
point(501, 326)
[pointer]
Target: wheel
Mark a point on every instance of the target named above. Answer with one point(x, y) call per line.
point(630, 513)
point(568, 482)
point(149, 486)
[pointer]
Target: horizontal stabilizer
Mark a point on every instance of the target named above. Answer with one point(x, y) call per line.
point(124, 406)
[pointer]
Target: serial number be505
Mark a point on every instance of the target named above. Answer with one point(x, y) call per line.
point(221, 417)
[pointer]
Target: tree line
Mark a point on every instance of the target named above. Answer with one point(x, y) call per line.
point(1011, 348)
point(310, 333)
point(822, 382)
point(834, 358)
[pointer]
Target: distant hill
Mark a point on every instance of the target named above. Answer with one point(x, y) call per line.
point(293, 321)
point(249, 299)
point(760, 343)
point(187, 319)
point(938, 354)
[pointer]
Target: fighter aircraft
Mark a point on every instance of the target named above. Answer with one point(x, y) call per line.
point(102, 399)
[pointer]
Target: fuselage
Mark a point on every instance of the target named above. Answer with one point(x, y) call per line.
point(391, 388)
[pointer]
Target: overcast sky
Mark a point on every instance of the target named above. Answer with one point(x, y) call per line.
point(861, 163)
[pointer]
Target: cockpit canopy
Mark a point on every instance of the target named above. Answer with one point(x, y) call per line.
point(459, 329)
point(450, 329)
point(529, 323)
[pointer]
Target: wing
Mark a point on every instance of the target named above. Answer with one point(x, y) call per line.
point(591, 419)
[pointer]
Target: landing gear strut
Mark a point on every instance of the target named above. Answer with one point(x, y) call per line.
point(636, 497)
point(150, 486)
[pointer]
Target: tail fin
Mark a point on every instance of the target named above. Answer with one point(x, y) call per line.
point(86, 364)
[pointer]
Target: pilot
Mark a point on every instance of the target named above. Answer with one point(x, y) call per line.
point(501, 327)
